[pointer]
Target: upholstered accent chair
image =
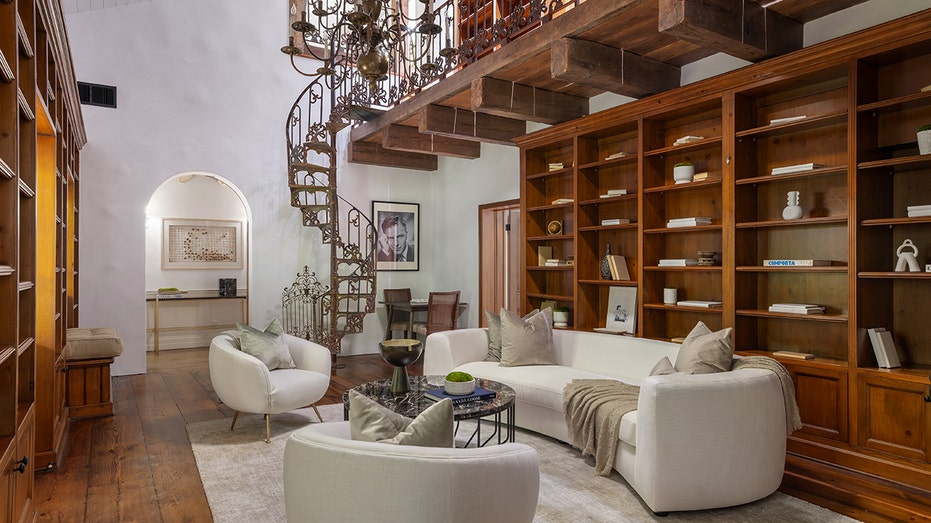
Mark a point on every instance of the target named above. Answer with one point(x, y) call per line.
point(246, 384)
point(442, 313)
point(397, 320)
point(413, 484)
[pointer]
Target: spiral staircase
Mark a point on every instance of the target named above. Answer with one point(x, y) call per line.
point(346, 231)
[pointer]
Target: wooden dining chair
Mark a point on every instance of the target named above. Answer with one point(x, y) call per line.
point(397, 320)
point(442, 313)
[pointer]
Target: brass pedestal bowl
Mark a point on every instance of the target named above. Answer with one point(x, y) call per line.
point(400, 353)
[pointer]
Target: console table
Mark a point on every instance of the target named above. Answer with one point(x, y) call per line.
point(199, 297)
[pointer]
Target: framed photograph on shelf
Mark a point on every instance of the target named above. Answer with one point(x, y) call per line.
point(622, 310)
point(201, 244)
point(397, 228)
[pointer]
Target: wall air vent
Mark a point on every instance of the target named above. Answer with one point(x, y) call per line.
point(96, 94)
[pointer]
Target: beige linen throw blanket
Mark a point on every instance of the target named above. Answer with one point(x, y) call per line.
point(594, 408)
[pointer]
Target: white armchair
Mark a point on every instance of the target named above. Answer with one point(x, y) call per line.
point(327, 475)
point(245, 384)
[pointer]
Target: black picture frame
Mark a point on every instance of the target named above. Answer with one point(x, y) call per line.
point(391, 220)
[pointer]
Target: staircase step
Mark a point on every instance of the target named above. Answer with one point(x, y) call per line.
point(310, 188)
point(308, 167)
point(320, 147)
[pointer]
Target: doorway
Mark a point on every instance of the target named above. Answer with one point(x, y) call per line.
point(499, 257)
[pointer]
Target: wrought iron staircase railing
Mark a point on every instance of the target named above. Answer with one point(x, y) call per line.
point(349, 233)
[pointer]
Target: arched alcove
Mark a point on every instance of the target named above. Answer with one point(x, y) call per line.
point(197, 233)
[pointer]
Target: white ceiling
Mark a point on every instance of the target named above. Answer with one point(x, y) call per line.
point(79, 6)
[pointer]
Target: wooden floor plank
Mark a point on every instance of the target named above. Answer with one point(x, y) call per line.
point(137, 465)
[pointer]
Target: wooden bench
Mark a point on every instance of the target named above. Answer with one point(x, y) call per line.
point(89, 353)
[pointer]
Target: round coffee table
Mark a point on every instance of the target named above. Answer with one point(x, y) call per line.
point(413, 402)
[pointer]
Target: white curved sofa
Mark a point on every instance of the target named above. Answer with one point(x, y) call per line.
point(695, 441)
point(328, 476)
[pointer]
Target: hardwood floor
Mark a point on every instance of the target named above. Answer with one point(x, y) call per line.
point(137, 465)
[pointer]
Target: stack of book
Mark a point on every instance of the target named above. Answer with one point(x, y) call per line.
point(555, 166)
point(678, 262)
point(884, 348)
point(797, 168)
point(796, 263)
point(616, 155)
point(688, 139)
point(560, 201)
point(688, 222)
point(705, 175)
point(614, 221)
point(777, 121)
point(479, 394)
point(556, 262)
point(613, 192)
point(796, 308)
point(917, 211)
point(704, 304)
point(618, 266)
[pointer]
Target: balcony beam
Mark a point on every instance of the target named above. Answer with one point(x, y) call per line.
point(514, 100)
point(610, 69)
point(371, 153)
point(469, 125)
point(406, 138)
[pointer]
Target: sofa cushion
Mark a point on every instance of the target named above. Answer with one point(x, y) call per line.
point(705, 352)
point(92, 343)
point(370, 421)
point(268, 345)
point(527, 342)
point(494, 334)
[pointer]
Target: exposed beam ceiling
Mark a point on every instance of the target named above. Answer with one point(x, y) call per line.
point(630, 47)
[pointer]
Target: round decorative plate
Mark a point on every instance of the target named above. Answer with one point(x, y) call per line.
point(554, 227)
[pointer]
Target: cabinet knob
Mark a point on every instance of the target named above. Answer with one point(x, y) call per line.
point(65, 368)
point(21, 465)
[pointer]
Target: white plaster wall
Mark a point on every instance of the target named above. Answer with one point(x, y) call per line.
point(203, 87)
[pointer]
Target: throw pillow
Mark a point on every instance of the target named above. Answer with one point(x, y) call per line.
point(273, 327)
point(267, 345)
point(705, 352)
point(494, 334)
point(663, 367)
point(527, 342)
point(370, 421)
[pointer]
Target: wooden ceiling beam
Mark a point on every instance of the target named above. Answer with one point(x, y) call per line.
point(406, 138)
point(513, 100)
point(742, 29)
point(611, 69)
point(468, 125)
point(371, 153)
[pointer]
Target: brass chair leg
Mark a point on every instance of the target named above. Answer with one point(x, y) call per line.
point(235, 415)
point(268, 428)
point(314, 405)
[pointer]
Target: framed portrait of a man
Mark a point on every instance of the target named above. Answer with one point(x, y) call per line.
point(397, 228)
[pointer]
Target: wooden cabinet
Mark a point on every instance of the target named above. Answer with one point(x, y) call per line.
point(40, 134)
point(845, 115)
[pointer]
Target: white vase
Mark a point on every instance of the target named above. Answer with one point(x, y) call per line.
point(924, 142)
point(792, 210)
point(560, 319)
point(683, 173)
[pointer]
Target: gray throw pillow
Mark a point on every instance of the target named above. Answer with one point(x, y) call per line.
point(663, 367)
point(268, 345)
point(705, 352)
point(370, 421)
point(273, 327)
point(527, 342)
point(494, 334)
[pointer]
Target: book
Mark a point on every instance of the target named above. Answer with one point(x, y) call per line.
point(553, 262)
point(479, 394)
point(706, 304)
point(615, 221)
point(918, 208)
point(690, 219)
point(796, 309)
point(618, 265)
point(796, 263)
point(881, 360)
point(677, 339)
point(794, 355)
point(605, 330)
point(678, 262)
point(688, 139)
point(559, 201)
point(797, 168)
point(919, 214)
point(555, 166)
point(616, 155)
point(544, 252)
point(687, 222)
point(888, 345)
point(777, 121)
point(925, 88)
point(705, 175)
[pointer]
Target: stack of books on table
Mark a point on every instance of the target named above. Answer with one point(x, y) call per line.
point(884, 348)
point(479, 394)
point(613, 192)
point(556, 262)
point(797, 168)
point(678, 262)
point(615, 221)
point(705, 175)
point(688, 222)
point(796, 308)
point(688, 139)
point(917, 211)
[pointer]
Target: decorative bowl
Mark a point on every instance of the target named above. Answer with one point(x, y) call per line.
point(459, 388)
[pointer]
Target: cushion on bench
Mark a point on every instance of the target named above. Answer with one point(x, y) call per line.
point(93, 343)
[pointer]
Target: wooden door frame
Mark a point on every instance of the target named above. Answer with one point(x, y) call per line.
point(514, 203)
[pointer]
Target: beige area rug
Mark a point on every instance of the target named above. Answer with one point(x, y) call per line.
point(242, 476)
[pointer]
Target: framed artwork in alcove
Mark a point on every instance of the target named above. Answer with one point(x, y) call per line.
point(397, 226)
point(201, 244)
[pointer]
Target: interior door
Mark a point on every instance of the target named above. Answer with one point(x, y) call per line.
point(499, 261)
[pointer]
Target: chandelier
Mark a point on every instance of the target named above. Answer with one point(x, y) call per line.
point(374, 39)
